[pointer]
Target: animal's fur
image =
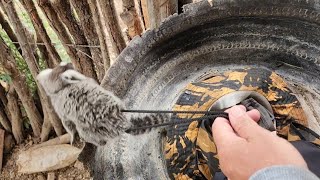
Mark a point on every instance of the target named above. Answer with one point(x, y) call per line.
point(85, 107)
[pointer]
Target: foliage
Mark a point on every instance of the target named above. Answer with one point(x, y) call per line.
point(25, 19)
point(5, 77)
point(22, 65)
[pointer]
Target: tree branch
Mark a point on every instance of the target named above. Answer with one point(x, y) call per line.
point(130, 17)
point(158, 10)
point(41, 31)
point(19, 83)
point(31, 60)
point(102, 39)
point(4, 120)
point(90, 31)
point(16, 116)
point(5, 25)
point(3, 97)
point(64, 11)
point(49, 62)
point(46, 127)
point(112, 25)
point(61, 31)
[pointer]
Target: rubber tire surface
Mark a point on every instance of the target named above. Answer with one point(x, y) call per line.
point(281, 35)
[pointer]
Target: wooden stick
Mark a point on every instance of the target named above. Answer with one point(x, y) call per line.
point(16, 116)
point(64, 139)
point(66, 15)
point(113, 28)
point(41, 31)
point(1, 147)
point(51, 176)
point(130, 17)
point(155, 11)
point(102, 38)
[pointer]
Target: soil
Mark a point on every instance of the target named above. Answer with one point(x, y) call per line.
point(76, 171)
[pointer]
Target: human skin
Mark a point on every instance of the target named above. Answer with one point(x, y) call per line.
point(244, 147)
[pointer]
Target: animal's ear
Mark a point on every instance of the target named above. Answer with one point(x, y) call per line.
point(72, 76)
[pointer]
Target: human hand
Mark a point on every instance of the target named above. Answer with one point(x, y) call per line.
point(244, 147)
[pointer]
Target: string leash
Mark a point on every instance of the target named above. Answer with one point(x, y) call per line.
point(207, 115)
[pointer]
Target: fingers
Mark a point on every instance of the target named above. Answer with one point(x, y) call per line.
point(254, 114)
point(242, 123)
point(222, 131)
point(239, 106)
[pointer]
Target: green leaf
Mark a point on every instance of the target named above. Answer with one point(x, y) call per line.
point(6, 78)
point(26, 124)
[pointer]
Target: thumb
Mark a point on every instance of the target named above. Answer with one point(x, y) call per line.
point(242, 123)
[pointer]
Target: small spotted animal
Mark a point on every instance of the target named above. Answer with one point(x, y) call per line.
point(86, 108)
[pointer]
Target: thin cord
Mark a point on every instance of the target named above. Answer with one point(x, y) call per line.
point(55, 44)
point(210, 115)
point(75, 46)
point(171, 112)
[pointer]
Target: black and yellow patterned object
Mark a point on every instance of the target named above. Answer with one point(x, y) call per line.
point(190, 151)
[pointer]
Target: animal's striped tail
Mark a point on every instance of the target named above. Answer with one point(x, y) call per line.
point(143, 124)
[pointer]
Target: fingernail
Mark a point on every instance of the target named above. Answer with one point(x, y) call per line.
point(236, 112)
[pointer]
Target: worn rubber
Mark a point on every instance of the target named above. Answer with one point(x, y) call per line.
point(280, 35)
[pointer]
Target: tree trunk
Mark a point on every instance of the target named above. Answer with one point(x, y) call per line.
point(27, 51)
point(88, 26)
point(30, 59)
point(102, 38)
point(51, 115)
point(5, 25)
point(46, 126)
point(4, 120)
point(140, 14)
point(4, 116)
point(112, 24)
point(3, 97)
point(61, 31)
point(158, 10)
point(37, 101)
point(145, 14)
point(41, 31)
point(44, 53)
point(130, 18)
point(64, 11)
point(19, 83)
point(16, 117)
point(1, 148)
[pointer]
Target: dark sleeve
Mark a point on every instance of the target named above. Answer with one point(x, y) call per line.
point(310, 153)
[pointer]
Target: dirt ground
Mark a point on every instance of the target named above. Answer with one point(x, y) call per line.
point(76, 171)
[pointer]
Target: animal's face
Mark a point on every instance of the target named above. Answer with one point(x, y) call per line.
point(53, 80)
